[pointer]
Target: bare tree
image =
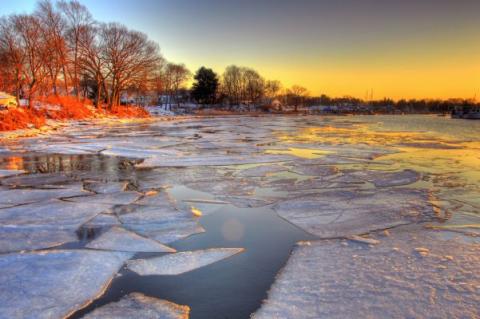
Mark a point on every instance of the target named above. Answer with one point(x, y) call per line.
point(55, 53)
point(232, 84)
point(29, 32)
point(78, 19)
point(297, 95)
point(129, 54)
point(92, 62)
point(254, 86)
point(12, 54)
point(175, 77)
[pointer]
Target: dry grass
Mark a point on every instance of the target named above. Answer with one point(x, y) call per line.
point(20, 119)
point(62, 108)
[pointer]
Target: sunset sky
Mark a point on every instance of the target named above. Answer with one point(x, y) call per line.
point(408, 48)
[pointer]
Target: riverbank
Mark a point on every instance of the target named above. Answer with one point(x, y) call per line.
point(47, 112)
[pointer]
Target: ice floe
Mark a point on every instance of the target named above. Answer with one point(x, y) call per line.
point(43, 225)
point(408, 274)
point(54, 284)
point(26, 195)
point(388, 179)
point(219, 160)
point(345, 213)
point(117, 238)
point(137, 305)
point(118, 198)
point(179, 263)
point(105, 187)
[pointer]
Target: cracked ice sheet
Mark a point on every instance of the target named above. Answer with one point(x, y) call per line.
point(387, 179)
point(338, 279)
point(54, 284)
point(165, 226)
point(139, 153)
point(119, 198)
point(105, 187)
point(27, 196)
point(261, 170)
point(119, 239)
point(345, 213)
point(158, 218)
point(218, 160)
point(43, 225)
point(137, 305)
point(179, 263)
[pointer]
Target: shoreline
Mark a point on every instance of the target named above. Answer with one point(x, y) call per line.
point(57, 125)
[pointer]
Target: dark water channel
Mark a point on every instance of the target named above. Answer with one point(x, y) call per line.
point(232, 288)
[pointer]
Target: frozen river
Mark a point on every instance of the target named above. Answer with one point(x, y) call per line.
point(232, 217)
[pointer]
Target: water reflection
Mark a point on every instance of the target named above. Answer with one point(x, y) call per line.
point(56, 163)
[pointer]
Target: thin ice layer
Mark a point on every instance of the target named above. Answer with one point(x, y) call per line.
point(345, 213)
point(119, 239)
point(179, 263)
point(137, 305)
point(53, 284)
point(211, 160)
point(157, 218)
point(411, 274)
point(118, 198)
point(27, 196)
point(43, 225)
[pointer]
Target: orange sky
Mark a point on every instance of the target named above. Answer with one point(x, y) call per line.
point(400, 49)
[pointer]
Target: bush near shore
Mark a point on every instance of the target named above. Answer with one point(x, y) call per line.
point(62, 108)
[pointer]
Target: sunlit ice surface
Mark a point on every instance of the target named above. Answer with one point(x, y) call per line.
point(323, 198)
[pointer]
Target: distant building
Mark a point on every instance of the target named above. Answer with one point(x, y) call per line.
point(7, 101)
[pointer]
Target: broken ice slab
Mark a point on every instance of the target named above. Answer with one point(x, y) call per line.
point(119, 198)
point(388, 179)
point(43, 225)
point(54, 284)
point(7, 173)
point(313, 170)
point(36, 180)
point(411, 273)
point(261, 170)
point(161, 225)
point(102, 220)
point(53, 212)
point(119, 239)
point(217, 160)
point(105, 187)
point(346, 213)
point(140, 153)
point(137, 305)
point(26, 196)
point(32, 237)
point(179, 263)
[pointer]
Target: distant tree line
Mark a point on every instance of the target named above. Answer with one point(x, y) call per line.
point(387, 105)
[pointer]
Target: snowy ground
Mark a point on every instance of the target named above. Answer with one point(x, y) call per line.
point(390, 207)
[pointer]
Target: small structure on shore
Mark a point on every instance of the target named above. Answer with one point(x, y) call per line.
point(7, 101)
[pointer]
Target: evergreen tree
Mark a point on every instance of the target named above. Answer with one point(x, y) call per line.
point(205, 87)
